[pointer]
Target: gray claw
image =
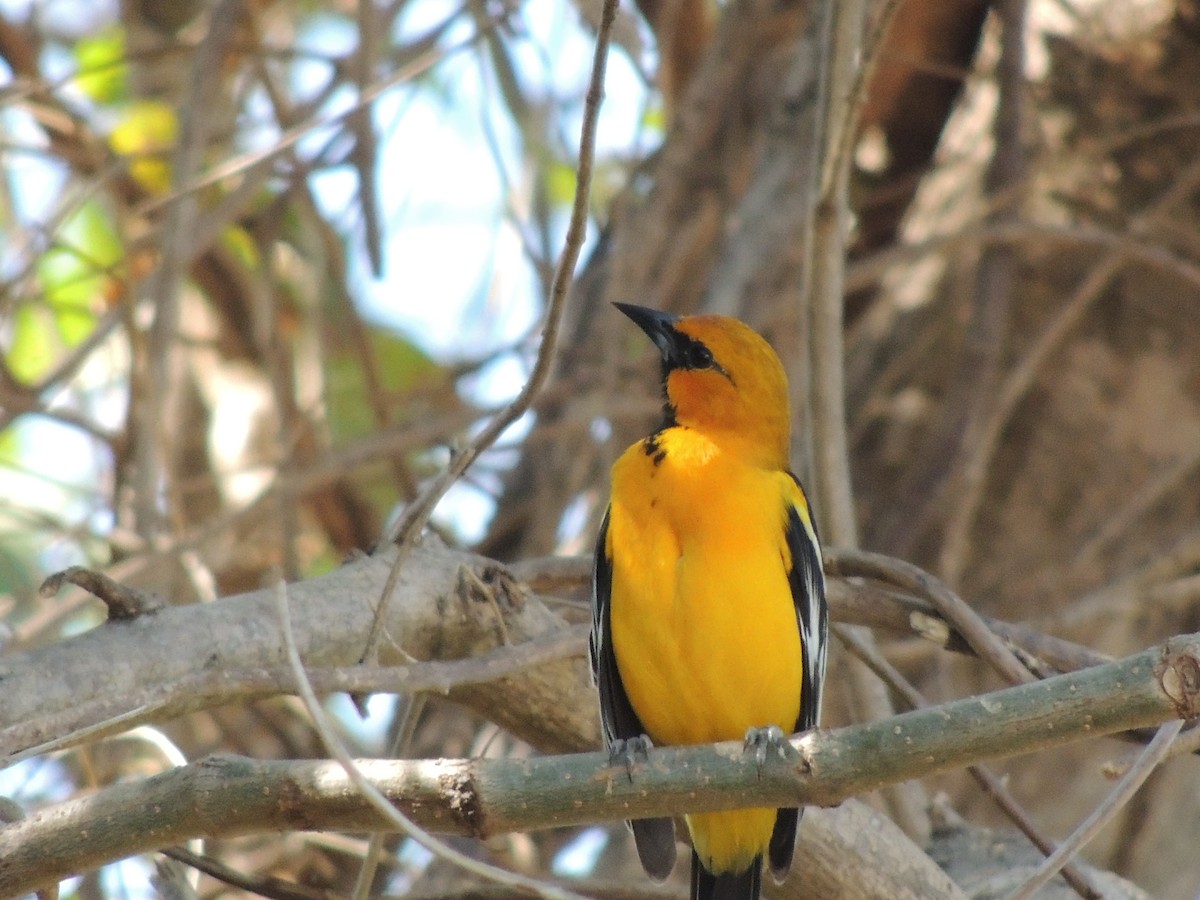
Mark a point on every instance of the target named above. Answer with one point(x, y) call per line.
point(763, 739)
point(627, 751)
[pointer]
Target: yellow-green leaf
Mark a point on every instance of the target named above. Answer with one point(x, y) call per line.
point(560, 184)
point(146, 133)
point(103, 73)
point(75, 279)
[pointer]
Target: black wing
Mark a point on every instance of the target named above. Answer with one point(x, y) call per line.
point(655, 838)
point(807, 580)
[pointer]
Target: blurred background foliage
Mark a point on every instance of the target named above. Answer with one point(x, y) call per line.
point(264, 264)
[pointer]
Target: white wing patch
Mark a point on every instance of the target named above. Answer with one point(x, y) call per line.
point(807, 580)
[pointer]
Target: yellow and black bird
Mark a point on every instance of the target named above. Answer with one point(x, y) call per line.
point(708, 600)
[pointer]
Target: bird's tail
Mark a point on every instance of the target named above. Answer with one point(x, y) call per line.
point(729, 886)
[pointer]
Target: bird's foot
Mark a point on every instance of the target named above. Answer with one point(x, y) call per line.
point(761, 740)
point(627, 752)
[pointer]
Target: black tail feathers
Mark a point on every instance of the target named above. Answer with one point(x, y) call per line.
point(655, 842)
point(736, 886)
point(783, 842)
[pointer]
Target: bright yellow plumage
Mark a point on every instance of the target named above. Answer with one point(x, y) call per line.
point(703, 612)
point(702, 616)
point(690, 564)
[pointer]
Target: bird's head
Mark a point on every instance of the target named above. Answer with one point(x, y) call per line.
point(722, 379)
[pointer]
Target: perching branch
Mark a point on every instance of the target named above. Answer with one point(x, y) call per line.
point(227, 796)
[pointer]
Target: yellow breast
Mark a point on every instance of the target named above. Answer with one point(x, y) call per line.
point(703, 623)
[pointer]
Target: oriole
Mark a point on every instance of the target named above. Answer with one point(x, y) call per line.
point(708, 598)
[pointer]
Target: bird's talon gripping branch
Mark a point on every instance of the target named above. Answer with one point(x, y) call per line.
point(627, 752)
point(761, 740)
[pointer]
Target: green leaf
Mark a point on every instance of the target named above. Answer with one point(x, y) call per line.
point(75, 276)
point(402, 364)
point(237, 240)
point(75, 283)
point(103, 74)
point(33, 348)
point(19, 575)
point(146, 133)
point(560, 183)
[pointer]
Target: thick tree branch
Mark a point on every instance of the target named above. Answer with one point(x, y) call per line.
point(227, 796)
point(482, 640)
point(231, 650)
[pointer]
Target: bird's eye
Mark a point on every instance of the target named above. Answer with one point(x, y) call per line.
point(699, 357)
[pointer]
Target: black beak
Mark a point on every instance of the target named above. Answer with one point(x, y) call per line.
point(660, 327)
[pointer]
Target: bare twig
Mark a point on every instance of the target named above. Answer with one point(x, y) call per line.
point(1180, 558)
point(259, 885)
point(101, 728)
point(824, 303)
point(151, 373)
point(394, 441)
point(1154, 753)
point(1132, 244)
point(294, 135)
point(904, 575)
point(372, 794)
point(95, 719)
point(995, 283)
point(1164, 485)
point(63, 371)
point(1018, 382)
point(831, 471)
point(849, 86)
point(1188, 742)
point(123, 602)
point(365, 155)
point(370, 862)
point(417, 514)
point(995, 788)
